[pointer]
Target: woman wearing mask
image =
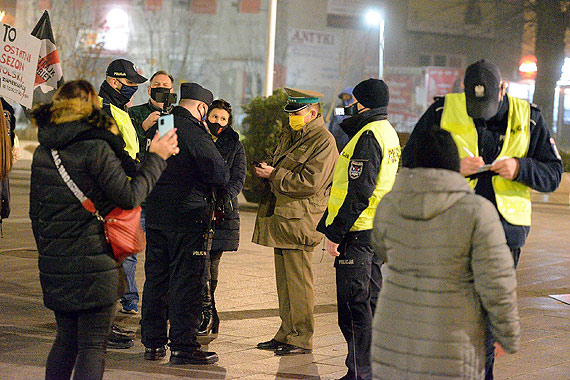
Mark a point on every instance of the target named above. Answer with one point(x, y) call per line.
point(226, 235)
point(80, 279)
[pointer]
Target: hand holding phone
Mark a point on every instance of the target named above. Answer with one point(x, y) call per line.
point(165, 124)
point(256, 163)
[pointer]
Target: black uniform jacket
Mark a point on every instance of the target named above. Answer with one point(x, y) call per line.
point(540, 170)
point(360, 189)
point(180, 199)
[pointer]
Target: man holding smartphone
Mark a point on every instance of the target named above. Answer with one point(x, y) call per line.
point(179, 213)
point(145, 116)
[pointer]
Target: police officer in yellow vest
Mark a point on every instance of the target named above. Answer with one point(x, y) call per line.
point(365, 171)
point(505, 149)
point(121, 83)
point(298, 176)
point(116, 91)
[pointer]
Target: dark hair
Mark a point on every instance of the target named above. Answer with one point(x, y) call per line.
point(432, 148)
point(223, 105)
point(77, 89)
point(162, 72)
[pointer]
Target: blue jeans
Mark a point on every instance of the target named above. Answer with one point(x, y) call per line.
point(80, 343)
point(130, 268)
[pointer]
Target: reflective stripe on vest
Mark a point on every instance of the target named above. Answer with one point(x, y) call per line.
point(390, 144)
point(126, 129)
point(513, 198)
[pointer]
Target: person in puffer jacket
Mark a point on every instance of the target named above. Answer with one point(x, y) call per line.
point(447, 270)
point(80, 279)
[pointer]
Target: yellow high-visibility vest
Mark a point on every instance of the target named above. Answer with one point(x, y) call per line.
point(513, 198)
point(390, 144)
point(126, 129)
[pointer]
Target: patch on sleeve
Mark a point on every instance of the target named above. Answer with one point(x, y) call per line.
point(355, 169)
point(553, 143)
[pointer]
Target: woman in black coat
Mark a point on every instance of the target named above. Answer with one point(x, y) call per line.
point(80, 279)
point(226, 235)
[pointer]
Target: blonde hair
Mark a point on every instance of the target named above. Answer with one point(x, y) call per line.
point(5, 145)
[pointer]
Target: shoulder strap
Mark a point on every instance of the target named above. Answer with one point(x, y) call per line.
point(86, 202)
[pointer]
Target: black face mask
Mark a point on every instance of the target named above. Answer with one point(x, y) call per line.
point(154, 91)
point(215, 128)
point(351, 110)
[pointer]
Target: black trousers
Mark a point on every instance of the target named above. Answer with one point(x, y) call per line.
point(80, 344)
point(489, 339)
point(358, 281)
point(175, 269)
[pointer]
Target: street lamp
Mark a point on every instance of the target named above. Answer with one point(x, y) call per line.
point(375, 18)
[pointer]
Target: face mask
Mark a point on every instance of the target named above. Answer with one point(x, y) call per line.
point(351, 110)
point(128, 91)
point(215, 128)
point(154, 91)
point(297, 121)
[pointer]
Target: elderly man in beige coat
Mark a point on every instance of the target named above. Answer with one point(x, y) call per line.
point(447, 271)
point(299, 177)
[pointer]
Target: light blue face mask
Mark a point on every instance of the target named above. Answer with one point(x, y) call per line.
point(128, 91)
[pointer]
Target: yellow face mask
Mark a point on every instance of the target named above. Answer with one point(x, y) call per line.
point(297, 121)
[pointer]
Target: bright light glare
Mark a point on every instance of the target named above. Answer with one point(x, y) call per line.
point(117, 19)
point(373, 18)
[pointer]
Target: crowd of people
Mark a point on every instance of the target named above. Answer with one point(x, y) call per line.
point(425, 248)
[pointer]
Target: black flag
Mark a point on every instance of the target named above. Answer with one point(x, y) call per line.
point(49, 75)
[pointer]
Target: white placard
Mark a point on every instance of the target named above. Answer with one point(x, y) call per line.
point(19, 54)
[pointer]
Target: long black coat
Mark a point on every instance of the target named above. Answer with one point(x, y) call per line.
point(226, 235)
point(77, 268)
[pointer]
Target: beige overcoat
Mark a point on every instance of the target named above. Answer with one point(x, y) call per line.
point(297, 191)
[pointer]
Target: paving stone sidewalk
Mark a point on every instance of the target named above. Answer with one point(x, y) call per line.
point(247, 301)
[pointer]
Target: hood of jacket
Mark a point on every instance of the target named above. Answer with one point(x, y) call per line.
point(61, 122)
point(423, 193)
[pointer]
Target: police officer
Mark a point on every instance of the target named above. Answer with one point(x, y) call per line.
point(298, 177)
point(178, 214)
point(365, 171)
point(510, 135)
point(121, 83)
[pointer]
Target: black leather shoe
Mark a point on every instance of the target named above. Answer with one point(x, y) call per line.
point(195, 357)
point(289, 349)
point(154, 353)
point(120, 341)
point(270, 345)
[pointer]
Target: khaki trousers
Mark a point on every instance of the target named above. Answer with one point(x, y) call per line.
point(294, 275)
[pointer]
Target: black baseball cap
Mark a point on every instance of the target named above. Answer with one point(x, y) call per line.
point(121, 68)
point(482, 87)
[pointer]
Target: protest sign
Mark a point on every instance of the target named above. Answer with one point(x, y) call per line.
point(19, 53)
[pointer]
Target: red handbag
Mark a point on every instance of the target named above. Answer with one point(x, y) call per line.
point(123, 229)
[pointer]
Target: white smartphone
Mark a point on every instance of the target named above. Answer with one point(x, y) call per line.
point(165, 124)
point(339, 111)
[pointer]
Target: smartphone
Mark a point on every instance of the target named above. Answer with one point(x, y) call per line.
point(339, 111)
point(165, 124)
point(256, 164)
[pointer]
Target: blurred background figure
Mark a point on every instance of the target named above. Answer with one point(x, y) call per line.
point(447, 271)
point(80, 279)
point(340, 136)
point(8, 156)
point(226, 235)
